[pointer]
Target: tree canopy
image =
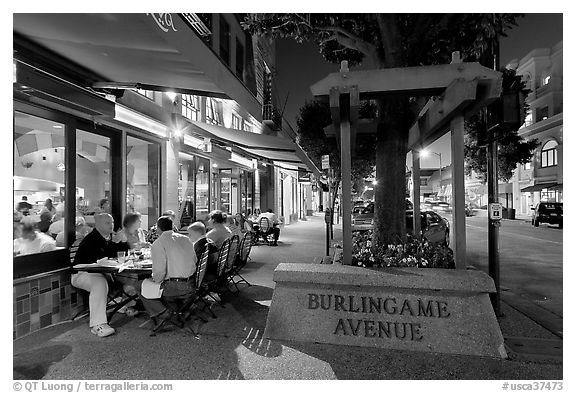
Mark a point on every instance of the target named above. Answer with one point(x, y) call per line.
point(387, 41)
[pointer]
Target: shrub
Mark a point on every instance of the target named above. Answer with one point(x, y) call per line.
point(413, 253)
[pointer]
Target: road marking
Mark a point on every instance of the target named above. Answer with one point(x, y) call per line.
point(518, 236)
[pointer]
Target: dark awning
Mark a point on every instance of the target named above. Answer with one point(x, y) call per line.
point(150, 51)
point(269, 147)
point(557, 187)
point(538, 187)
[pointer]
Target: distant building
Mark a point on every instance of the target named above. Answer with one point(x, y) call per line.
point(541, 179)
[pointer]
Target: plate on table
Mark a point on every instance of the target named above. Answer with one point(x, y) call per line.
point(106, 262)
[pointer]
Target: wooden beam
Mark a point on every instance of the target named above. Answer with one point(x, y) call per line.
point(413, 81)
point(363, 126)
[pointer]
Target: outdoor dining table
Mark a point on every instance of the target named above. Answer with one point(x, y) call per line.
point(113, 268)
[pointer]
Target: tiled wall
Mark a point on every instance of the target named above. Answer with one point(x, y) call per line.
point(43, 301)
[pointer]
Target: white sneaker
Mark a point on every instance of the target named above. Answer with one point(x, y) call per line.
point(103, 330)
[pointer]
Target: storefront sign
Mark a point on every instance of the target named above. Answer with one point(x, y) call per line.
point(304, 176)
point(164, 21)
point(325, 162)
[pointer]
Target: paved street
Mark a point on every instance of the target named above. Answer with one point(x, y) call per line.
point(530, 259)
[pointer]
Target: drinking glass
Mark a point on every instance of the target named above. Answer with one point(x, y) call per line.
point(121, 256)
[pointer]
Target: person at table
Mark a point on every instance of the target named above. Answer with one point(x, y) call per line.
point(24, 207)
point(48, 207)
point(197, 235)
point(81, 230)
point(173, 265)
point(101, 242)
point(153, 232)
point(233, 226)
point(31, 241)
point(134, 234)
point(219, 232)
point(269, 214)
point(103, 207)
point(45, 221)
point(57, 225)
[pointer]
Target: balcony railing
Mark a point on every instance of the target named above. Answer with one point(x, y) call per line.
point(271, 116)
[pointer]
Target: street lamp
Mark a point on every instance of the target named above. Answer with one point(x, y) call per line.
point(426, 153)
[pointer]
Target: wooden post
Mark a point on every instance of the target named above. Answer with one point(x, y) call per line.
point(458, 189)
point(346, 165)
point(416, 192)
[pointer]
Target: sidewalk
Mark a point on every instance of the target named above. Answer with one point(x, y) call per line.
point(232, 346)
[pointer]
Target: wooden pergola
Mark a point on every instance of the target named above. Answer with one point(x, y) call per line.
point(458, 90)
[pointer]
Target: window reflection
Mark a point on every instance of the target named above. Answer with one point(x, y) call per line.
point(93, 167)
point(142, 166)
point(39, 183)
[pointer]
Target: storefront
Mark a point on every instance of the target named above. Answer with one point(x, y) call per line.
point(71, 162)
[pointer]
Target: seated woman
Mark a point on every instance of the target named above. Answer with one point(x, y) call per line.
point(234, 226)
point(134, 234)
point(245, 225)
point(219, 232)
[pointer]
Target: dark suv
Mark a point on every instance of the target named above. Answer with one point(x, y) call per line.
point(548, 212)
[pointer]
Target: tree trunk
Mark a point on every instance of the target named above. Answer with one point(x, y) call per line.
point(390, 190)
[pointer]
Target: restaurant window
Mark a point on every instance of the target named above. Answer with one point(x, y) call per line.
point(226, 199)
point(247, 126)
point(93, 175)
point(202, 188)
point(142, 188)
point(213, 111)
point(549, 154)
point(236, 122)
point(186, 190)
point(224, 40)
point(191, 106)
point(146, 93)
point(38, 184)
point(239, 59)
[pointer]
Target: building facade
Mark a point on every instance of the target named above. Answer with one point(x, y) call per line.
point(542, 178)
point(139, 113)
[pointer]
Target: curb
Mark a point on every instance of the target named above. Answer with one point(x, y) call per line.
point(548, 320)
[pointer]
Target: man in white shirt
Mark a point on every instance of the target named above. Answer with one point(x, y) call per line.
point(33, 242)
point(273, 222)
point(173, 265)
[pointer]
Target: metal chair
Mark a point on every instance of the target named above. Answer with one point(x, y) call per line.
point(215, 284)
point(179, 307)
point(243, 255)
point(266, 230)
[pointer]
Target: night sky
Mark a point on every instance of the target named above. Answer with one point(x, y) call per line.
point(301, 65)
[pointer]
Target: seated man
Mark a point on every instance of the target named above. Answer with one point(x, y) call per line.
point(274, 222)
point(197, 235)
point(219, 232)
point(101, 242)
point(173, 265)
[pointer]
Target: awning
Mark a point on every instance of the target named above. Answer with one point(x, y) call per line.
point(150, 51)
point(281, 150)
point(539, 187)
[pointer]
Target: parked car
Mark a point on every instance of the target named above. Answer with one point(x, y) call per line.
point(548, 212)
point(433, 227)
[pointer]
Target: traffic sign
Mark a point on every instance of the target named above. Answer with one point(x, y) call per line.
point(495, 211)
